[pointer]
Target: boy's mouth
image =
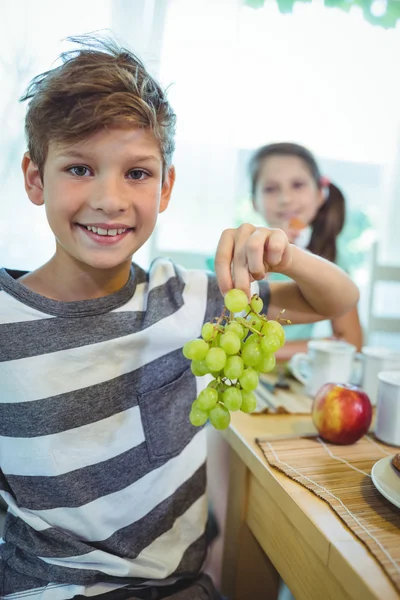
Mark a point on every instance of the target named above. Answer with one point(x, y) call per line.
point(114, 229)
point(104, 233)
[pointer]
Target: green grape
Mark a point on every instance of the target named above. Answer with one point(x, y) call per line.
point(207, 399)
point(199, 368)
point(267, 363)
point(234, 367)
point(219, 416)
point(256, 304)
point(216, 374)
point(198, 417)
point(230, 343)
point(213, 384)
point(232, 398)
point(255, 321)
point(216, 340)
point(249, 379)
point(236, 301)
point(233, 350)
point(195, 350)
point(270, 344)
point(207, 331)
point(251, 354)
point(186, 349)
point(216, 359)
point(222, 386)
point(274, 328)
point(235, 327)
point(249, 402)
point(243, 322)
point(252, 338)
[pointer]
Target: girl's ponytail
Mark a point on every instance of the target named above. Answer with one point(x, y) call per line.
point(327, 225)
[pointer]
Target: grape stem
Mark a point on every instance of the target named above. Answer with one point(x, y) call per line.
point(247, 325)
point(250, 328)
point(222, 317)
point(279, 318)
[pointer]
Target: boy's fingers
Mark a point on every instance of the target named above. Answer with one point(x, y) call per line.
point(255, 253)
point(223, 260)
point(275, 247)
point(245, 254)
point(240, 266)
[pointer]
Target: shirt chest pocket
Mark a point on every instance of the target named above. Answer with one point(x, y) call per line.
point(165, 417)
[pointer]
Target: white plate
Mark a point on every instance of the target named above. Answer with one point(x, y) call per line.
point(386, 479)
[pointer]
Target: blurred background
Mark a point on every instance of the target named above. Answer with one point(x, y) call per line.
point(241, 73)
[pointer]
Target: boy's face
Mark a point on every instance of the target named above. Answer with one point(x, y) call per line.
point(102, 195)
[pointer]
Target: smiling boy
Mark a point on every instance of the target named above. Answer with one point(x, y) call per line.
point(103, 475)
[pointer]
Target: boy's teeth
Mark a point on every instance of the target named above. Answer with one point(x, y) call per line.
point(101, 231)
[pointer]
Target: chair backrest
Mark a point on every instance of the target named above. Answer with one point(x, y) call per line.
point(387, 273)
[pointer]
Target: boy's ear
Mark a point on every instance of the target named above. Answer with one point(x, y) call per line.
point(33, 180)
point(167, 187)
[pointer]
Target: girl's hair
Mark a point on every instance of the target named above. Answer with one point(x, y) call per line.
point(329, 220)
point(98, 85)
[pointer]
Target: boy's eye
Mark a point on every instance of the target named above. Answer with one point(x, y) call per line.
point(79, 170)
point(269, 189)
point(137, 174)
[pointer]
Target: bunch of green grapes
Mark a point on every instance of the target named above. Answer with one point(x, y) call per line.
point(234, 349)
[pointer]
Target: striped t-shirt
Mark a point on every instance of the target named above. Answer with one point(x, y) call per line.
point(102, 472)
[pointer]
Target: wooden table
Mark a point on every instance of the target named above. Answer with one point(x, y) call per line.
point(276, 527)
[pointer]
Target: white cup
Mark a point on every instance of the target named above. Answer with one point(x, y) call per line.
point(388, 408)
point(377, 359)
point(327, 361)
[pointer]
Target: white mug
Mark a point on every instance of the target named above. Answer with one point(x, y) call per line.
point(327, 361)
point(387, 426)
point(377, 359)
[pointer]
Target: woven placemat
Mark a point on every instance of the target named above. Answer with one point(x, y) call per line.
point(341, 475)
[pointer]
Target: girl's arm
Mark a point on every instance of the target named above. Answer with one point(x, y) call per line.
point(319, 289)
point(348, 328)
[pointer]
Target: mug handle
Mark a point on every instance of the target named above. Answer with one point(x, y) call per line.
point(295, 365)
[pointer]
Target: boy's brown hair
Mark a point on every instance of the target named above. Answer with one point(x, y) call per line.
point(98, 85)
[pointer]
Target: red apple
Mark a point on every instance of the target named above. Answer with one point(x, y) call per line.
point(341, 413)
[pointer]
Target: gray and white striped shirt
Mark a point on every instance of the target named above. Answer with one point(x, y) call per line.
point(103, 475)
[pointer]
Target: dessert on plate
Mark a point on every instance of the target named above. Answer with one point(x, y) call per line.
point(396, 461)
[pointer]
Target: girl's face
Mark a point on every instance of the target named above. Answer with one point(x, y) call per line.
point(285, 191)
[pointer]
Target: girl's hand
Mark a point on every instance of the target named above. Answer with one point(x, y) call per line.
point(248, 253)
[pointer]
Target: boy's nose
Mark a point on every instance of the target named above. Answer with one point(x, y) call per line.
point(109, 197)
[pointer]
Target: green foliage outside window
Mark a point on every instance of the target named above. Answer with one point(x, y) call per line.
point(384, 13)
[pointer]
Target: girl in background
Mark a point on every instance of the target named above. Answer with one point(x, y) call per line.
point(290, 193)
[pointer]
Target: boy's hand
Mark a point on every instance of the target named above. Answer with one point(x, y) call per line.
point(248, 253)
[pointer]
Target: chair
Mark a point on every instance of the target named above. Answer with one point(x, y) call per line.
point(381, 273)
